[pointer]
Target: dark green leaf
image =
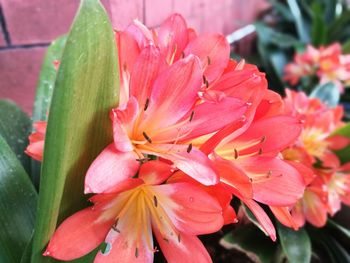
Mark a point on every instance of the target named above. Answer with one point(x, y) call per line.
point(346, 47)
point(17, 206)
point(337, 27)
point(319, 27)
point(295, 244)
point(253, 243)
point(78, 129)
point(329, 93)
point(15, 127)
point(27, 254)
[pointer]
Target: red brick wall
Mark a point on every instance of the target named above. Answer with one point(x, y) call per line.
point(28, 26)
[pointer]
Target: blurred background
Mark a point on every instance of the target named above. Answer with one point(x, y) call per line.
point(28, 26)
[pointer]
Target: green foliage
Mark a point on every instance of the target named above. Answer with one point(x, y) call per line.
point(328, 93)
point(14, 128)
point(17, 206)
point(296, 245)
point(343, 154)
point(78, 128)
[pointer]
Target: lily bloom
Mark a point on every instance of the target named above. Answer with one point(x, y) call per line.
point(160, 118)
point(35, 148)
point(126, 217)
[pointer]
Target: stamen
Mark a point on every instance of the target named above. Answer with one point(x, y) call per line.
point(146, 137)
point(191, 117)
point(125, 67)
point(263, 139)
point(182, 54)
point(209, 61)
point(146, 104)
point(205, 81)
point(136, 252)
point(155, 200)
point(179, 238)
point(189, 148)
point(114, 226)
point(260, 151)
point(236, 153)
point(143, 160)
point(165, 239)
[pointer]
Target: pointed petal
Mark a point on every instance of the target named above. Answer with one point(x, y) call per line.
point(189, 249)
point(306, 172)
point(123, 119)
point(173, 37)
point(155, 172)
point(140, 33)
point(110, 168)
point(229, 215)
point(144, 73)
point(214, 53)
point(190, 209)
point(194, 163)
point(275, 182)
point(35, 150)
point(315, 210)
point(234, 177)
point(283, 215)
point(262, 218)
point(271, 132)
point(78, 235)
point(338, 142)
point(174, 93)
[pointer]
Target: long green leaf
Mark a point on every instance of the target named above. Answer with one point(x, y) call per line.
point(44, 92)
point(328, 93)
point(299, 21)
point(15, 128)
point(78, 129)
point(295, 244)
point(17, 206)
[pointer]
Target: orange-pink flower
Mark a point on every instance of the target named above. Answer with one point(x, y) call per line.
point(126, 217)
point(35, 148)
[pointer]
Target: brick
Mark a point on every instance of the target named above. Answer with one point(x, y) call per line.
point(38, 21)
point(123, 12)
point(2, 38)
point(19, 73)
point(156, 11)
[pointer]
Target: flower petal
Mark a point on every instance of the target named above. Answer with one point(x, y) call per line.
point(189, 249)
point(283, 215)
point(174, 93)
point(173, 37)
point(35, 150)
point(191, 209)
point(275, 182)
point(155, 172)
point(214, 53)
point(78, 235)
point(110, 168)
point(192, 162)
point(144, 73)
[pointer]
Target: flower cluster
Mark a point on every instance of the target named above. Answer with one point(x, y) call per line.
point(328, 64)
point(194, 129)
point(328, 183)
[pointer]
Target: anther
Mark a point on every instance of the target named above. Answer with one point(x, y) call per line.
point(182, 54)
point(189, 148)
point(191, 117)
point(205, 81)
point(260, 151)
point(146, 104)
point(136, 252)
point(155, 200)
point(236, 153)
point(142, 160)
point(263, 139)
point(209, 61)
point(179, 238)
point(165, 239)
point(125, 67)
point(114, 226)
point(146, 137)
point(269, 173)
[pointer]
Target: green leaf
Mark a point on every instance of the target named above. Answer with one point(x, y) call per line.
point(44, 92)
point(47, 79)
point(343, 154)
point(253, 243)
point(318, 26)
point(300, 24)
point(78, 128)
point(329, 93)
point(252, 218)
point(346, 47)
point(295, 244)
point(17, 206)
point(337, 27)
point(27, 254)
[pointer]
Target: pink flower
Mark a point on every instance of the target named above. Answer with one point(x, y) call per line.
point(35, 148)
point(126, 217)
